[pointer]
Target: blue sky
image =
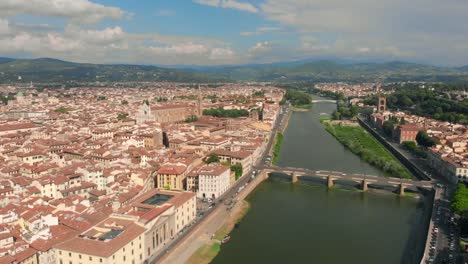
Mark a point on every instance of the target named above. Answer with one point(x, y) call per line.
point(218, 32)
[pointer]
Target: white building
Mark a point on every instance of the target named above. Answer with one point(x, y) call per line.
point(213, 180)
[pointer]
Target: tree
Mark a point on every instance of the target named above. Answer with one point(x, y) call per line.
point(61, 110)
point(298, 98)
point(101, 98)
point(425, 140)
point(122, 116)
point(388, 127)
point(191, 119)
point(336, 115)
point(124, 102)
point(220, 112)
point(237, 169)
point(212, 158)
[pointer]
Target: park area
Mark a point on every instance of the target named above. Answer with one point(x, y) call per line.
point(361, 143)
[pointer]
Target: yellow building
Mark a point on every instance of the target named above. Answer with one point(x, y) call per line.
point(117, 239)
point(172, 177)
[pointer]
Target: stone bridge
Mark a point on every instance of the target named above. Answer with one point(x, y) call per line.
point(363, 180)
point(324, 101)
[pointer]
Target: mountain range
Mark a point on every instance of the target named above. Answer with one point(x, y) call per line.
point(53, 70)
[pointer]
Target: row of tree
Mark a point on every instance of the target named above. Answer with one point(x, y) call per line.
point(229, 113)
point(298, 98)
point(344, 110)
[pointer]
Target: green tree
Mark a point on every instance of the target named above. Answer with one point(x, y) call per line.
point(212, 158)
point(122, 116)
point(61, 110)
point(388, 127)
point(336, 115)
point(191, 119)
point(425, 140)
point(237, 169)
point(124, 102)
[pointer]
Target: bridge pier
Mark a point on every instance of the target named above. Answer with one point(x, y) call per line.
point(364, 185)
point(294, 177)
point(402, 189)
point(330, 182)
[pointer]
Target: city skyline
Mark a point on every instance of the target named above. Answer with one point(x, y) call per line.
point(230, 32)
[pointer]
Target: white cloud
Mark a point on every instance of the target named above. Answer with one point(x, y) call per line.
point(180, 49)
point(221, 54)
point(233, 4)
point(259, 31)
point(423, 30)
point(113, 45)
point(260, 48)
point(4, 26)
point(105, 36)
point(77, 10)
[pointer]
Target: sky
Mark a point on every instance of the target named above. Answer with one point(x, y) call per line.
point(232, 32)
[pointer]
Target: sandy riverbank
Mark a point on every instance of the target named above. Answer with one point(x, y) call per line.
point(209, 250)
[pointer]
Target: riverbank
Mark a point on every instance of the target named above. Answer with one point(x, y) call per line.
point(358, 141)
point(302, 108)
point(277, 148)
point(208, 252)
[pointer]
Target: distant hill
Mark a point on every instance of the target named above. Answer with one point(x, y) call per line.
point(53, 70)
point(329, 71)
point(5, 60)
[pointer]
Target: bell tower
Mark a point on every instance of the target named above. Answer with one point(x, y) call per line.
point(199, 102)
point(382, 105)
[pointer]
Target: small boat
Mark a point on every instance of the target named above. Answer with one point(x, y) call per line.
point(225, 239)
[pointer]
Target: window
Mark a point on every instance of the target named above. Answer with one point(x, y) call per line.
point(69, 254)
point(79, 256)
point(100, 260)
point(90, 258)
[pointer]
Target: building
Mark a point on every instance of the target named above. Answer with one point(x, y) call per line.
point(172, 177)
point(117, 239)
point(165, 113)
point(213, 180)
point(241, 157)
point(382, 105)
point(138, 232)
point(407, 132)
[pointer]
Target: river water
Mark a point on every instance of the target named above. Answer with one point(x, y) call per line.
point(306, 223)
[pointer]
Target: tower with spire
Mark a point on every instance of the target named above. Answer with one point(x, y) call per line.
point(199, 102)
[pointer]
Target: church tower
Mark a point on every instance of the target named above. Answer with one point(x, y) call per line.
point(199, 102)
point(382, 105)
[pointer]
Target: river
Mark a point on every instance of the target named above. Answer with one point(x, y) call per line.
point(306, 223)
